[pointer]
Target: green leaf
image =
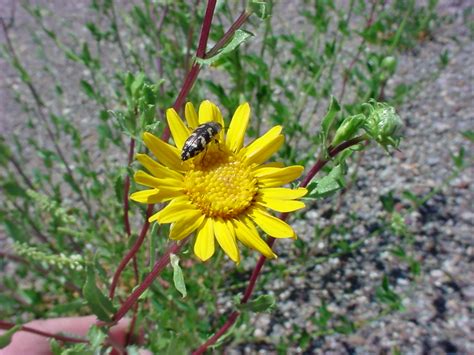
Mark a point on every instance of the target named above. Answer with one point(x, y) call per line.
point(328, 120)
point(68, 307)
point(260, 8)
point(348, 129)
point(178, 278)
point(6, 338)
point(72, 56)
point(385, 294)
point(86, 54)
point(263, 303)
point(329, 184)
point(88, 89)
point(240, 37)
point(458, 159)
point(5, 152)
point(324, 316)
point(137, 84)
point(469, 135)
point(15, 232)
point(13, 189)
point(72, 183)
point(100, 305)
point(388, 202)
point(96, 336)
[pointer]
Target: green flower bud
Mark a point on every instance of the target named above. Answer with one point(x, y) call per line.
point(383, 124)
point(348, 129)
point(389, 63)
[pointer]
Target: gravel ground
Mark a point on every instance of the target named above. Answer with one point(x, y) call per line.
point(438, 317)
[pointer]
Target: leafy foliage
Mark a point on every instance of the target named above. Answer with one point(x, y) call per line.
point(63, 182)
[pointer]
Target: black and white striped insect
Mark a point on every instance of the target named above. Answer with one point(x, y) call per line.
point(199, 139)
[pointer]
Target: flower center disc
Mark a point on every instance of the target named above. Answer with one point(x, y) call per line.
point(219, 184)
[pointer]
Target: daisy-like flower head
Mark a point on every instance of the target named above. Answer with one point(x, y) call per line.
point(224, 192)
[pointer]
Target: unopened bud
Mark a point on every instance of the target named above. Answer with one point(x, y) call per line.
point(348, 129)
point(383, 124)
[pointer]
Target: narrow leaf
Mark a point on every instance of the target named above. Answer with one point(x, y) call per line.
point(100, 305)
point(263, 303)
point(88, 89)
point(178, 278)
point(6, 338)
point(329, 118)
point(240, 37)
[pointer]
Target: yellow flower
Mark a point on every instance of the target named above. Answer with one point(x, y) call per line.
point(223, 193)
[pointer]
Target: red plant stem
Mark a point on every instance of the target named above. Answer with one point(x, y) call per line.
point(187, 85)
point(157, 269)
point(200, 53)
point(332, 152)
point(7, 325)
point(126, 189)
point(131, 253)
point(131, 328)
point(128, 231)
point(206, 28)
point(320, 163)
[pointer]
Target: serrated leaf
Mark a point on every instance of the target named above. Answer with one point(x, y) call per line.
point(263, 303)
point(6, 338)
point(240, 37)
point(99, 304)
point(178, 278)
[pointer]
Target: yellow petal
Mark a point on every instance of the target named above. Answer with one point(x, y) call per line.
point(272, 164)
point(191, 115)
point(264, 147)
point(247, 234)
point(204, 246)
point(273, 226)
point(167, 193)
point(210, 112)
point(177, 209)
point(238, 127)
point(185, 226)
point(164, 152)
point(280, 205)
point(225, 235)
point(178, 130)
point(282, 193)
point(146, 196)
point(270, 177)
point(146, 179)
point(157, 169)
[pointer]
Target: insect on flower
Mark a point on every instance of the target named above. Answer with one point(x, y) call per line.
point(224, 198)
point(199, 139)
